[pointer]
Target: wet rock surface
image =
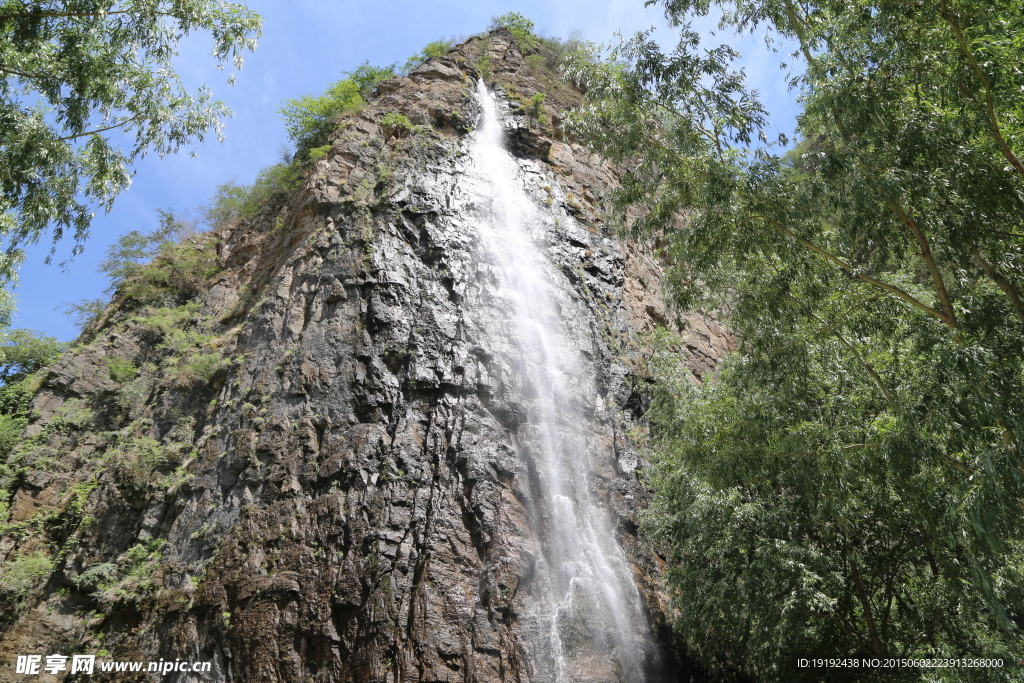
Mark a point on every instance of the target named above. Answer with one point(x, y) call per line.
point(349, 496)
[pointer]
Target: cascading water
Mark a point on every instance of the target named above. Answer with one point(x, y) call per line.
point(593, 626)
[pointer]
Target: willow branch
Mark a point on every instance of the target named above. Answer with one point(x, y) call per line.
point(853, 271)
point(889, 397)
point(993, 122)
point(853, 308)
point(67, 15)
point(929, 259)
point(865, 601)
point(852, 633)
point(98, 130)
point(799, 30)
point(1000, 279)
point(863, 362)
point(16, 72)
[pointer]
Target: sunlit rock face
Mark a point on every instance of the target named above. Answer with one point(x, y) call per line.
point(418, 460)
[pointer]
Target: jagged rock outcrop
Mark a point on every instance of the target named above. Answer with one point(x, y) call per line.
point(306, 469)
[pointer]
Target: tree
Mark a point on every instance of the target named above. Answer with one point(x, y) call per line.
point(850, 483)
point(133, 254)
point(23, 353)
point(519, 26)
point(77, 74)
point(310, 120)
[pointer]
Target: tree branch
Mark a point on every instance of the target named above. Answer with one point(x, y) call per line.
point(929, 259)
point(866, 278)
point(993, 122)
point(98, 130)
point(1004, 284)
point(9, 70)
point(865, 601)
point(860, 359)
point(798, 29)
point(61, 15)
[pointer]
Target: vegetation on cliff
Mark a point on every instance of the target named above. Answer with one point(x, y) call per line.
point(850, 483)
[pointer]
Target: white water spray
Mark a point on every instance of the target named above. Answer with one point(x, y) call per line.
point(594, 625)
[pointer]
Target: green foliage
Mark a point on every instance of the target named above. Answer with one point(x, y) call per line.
point(396, 124)
point(317, 153)
point(191, 356)
point(520, 27)
point(97, 575)
point(200, 368)
point(167, 320)
point(122, 370)
point(73, 413)
point(23, 352)
point(228, 204)
point(484, 66)
point(233, 202)
point(437, 48)
point(127, 580)
point(153, 267)
point(71, 77)
point(849, 483)
point(310, 120)
point(11, 427)
point(15, 397)
point(132, 395)
point(83, 313)
point(138, 459)
point(535, 107)
point(176, 272)
point(23, 573)
point(553, 50)
point(535, 64)
point(135, 249)
point(778, 501)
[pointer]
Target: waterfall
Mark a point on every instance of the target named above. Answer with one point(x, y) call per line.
point(593, 626)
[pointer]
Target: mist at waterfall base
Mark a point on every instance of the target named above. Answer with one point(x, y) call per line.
point(593, 619)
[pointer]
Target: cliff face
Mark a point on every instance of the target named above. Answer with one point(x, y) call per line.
point(317, 464)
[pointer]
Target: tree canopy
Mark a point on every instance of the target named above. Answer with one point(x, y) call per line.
point(851, 482)
point(90, 87)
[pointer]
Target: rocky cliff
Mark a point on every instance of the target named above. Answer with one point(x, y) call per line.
point(300, 450)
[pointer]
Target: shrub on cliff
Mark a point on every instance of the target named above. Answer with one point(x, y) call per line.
point(436, 48)
point(231, 201)
point(520, 27)
point(170, 263)
point(178, 271)
point(23, 353)
point(310, 120)
point(21, 574)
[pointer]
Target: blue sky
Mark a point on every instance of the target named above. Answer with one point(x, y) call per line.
point(306, 45)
